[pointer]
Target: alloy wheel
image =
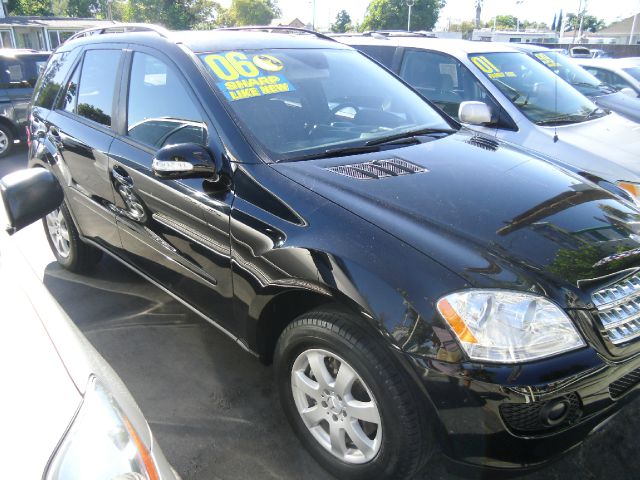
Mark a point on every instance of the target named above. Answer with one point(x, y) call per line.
point(336, 406)
point(59, 232)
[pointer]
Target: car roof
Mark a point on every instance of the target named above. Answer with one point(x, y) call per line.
point(612, 62)
point(453, 46)
point(200, 41)
point(527, 47)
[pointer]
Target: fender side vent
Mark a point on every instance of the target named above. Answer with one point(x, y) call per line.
point(388, 167)
point(483, 142)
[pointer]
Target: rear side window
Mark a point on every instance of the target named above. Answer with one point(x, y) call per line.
point(52, 79)
point(97, 85)
point(160, 112)
point(382, 54)
point(21, 72)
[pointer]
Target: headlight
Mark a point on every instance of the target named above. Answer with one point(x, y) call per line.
point(508, 327)
point(102, 444)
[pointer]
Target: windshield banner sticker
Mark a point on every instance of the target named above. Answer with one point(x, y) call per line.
point(247, 77)
point(547, 60)
point(489, 68)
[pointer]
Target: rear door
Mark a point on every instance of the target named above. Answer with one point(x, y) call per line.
point(174, 231)
point(79, 132)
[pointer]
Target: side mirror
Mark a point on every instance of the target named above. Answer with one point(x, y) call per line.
point(474, 113)
point(28, 195)
point(186, 160)
point(629, 91)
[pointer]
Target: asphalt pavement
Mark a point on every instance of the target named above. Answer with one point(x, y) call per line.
point(212, 407)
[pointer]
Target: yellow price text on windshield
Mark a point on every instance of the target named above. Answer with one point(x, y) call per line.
point(484, 64)
point(231, 66)
point(547, 60)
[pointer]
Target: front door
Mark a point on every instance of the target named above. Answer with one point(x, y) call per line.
point(174, 231)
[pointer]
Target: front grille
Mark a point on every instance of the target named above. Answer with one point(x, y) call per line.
point(619, 309)
point(528, 418)
point(624, 384)
point(388, 167)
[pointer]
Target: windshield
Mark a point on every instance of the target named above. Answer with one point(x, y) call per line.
point(573, 73)
point(296, 103)
point(540, 95)
point(634, 72)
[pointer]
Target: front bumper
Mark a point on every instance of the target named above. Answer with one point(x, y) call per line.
point(490, 416)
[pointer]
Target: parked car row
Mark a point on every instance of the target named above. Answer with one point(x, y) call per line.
point(444, 250)
point(513, 95)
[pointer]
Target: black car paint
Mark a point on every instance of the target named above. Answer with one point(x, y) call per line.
point(269, 241)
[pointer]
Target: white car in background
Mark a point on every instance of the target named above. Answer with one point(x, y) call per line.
point(622, 73)
point(65, 413)
point(506, 94)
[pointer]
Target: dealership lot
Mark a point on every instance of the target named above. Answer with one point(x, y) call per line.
point(212, 407)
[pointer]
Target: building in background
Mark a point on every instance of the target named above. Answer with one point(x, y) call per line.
point(512, 36)
point(40, 33)
point(619, 33)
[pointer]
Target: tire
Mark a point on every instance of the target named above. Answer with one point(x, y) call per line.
point(6, 140)
point(397, 439)
point(70, 251)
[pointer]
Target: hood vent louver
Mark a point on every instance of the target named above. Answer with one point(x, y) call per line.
point(484, 143)
point(388, 167)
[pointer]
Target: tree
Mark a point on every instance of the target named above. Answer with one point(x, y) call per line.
point(392, 15)
point(178, 14)
point(478, 12)
point(559, 24)
point(250, 12)
point(589, 23)
point(466, 28)
point(506, 22)
point(342, 23)
point(553, 24)
point(30, 7)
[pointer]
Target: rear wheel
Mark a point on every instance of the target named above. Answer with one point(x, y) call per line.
point(346, 398)
point(6, 140)
point(64, 240)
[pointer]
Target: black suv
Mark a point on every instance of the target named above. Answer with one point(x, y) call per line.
point(411, 280)
point(19, 70)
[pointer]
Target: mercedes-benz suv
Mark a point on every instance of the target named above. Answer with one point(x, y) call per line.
point(412, 281)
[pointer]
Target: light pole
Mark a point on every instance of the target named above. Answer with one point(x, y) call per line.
point(410, 3)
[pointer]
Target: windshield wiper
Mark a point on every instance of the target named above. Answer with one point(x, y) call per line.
point(410, 136)
point(573, 118)
point(335, 152)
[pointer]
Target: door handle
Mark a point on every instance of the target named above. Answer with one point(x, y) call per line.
point(55, 138)
point(121, 176)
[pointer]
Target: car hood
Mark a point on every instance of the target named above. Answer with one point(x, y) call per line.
point(628, 107)
point(606, 146)
point(485, 210)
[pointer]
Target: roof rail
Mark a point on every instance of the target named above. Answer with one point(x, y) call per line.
point(121, 28)
point(400, 33)
point(268, 28)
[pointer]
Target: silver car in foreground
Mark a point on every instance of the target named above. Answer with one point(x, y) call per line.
point(65, 413)
point(506, 94)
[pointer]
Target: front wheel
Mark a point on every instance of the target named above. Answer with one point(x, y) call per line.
point(63, 237)
point(348, 400)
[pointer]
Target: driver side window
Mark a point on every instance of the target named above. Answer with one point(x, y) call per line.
point(159, 110)
point(443, 80)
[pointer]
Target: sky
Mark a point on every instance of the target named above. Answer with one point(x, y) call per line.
point(457, 10)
